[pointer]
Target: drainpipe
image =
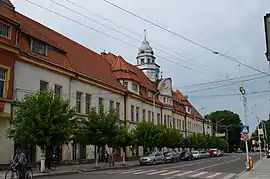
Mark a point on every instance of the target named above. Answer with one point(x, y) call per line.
point(186, 126)
point(125, 108)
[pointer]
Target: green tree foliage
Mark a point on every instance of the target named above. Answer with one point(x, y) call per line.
point(124, 138)
point(227, 118)
point(160, 139)
point(98, 128)
point(174, 139)
point(42, 119)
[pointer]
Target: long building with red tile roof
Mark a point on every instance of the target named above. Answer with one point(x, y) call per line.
point(34, 57)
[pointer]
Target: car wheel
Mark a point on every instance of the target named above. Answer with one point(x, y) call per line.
point(154, 162)
point(163, 161)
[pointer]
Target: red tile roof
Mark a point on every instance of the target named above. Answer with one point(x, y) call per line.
point(7, 2)
point(77, 58)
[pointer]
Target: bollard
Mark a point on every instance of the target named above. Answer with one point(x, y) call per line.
point(250, 160)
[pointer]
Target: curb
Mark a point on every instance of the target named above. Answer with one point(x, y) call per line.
point(40, 175)
point(255, 165)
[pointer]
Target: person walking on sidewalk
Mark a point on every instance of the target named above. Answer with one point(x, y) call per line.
point(111, 161)
point(106, 157)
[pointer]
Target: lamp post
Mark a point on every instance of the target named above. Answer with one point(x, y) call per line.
point(267, 35)
point(154, 104)
point(217, 124)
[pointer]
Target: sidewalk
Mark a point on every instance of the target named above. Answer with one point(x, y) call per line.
point(71, 169)
point(261, 170)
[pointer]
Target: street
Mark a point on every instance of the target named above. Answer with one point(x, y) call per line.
point(221, 167)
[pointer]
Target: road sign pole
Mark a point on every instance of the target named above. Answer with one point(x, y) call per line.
point(244, 104)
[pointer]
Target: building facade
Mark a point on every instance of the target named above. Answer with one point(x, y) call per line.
point(34, 58)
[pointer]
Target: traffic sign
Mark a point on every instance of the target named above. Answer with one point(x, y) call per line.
point(245, 129)
point(244, 137)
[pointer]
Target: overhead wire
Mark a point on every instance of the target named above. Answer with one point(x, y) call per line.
point(233, 59)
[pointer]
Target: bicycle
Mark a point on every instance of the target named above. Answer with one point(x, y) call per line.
point(50, 164)
point(28, 173)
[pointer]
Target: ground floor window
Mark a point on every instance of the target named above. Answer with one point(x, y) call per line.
point(79, 151)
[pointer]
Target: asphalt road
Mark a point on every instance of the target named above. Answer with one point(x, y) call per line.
point(225, 167)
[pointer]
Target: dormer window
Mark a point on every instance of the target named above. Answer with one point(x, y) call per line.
point(134, 87)
point(126, 85)
point(188, 110)
point(5, 30)
point(148, 60)
point(142, 61)
point(38, 47)
point(150, 94)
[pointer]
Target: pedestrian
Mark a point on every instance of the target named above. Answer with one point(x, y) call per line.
point(106, 157)
point(111, 161)
point(20, 163)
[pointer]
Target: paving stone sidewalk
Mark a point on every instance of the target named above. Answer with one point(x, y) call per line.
point(71, 169)
point(261, 170)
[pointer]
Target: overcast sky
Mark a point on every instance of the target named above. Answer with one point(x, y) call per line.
point(232, 27)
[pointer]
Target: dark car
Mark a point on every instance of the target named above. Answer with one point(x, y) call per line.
point(171, 157)
point(186, 156)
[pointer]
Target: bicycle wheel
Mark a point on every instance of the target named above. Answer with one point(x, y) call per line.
point(52, 166)
point(29, 174)
point(11, 174)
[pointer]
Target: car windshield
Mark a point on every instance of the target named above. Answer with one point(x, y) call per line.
point(168, 154)
point(151, 155)
point(194, 152)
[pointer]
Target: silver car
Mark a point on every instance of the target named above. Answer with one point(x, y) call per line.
point(152, 159)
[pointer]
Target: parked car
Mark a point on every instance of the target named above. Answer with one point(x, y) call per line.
point(171, 157)
point(205, 154)
point(220, 153)
point(186, 156)
point(214, 151)
point(152, 159)
point(196, 154)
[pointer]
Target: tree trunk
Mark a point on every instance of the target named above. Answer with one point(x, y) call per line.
point(42, 159)
point(124, 155)
point(97, 155)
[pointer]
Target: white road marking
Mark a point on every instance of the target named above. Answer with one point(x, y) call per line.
point(168, 173)
point(214, 175)
point(229, 176)
point(162, 171)
point(137, 173)
point(198, 174)
point(130, 171)
point(210, 166)
point(185, 173)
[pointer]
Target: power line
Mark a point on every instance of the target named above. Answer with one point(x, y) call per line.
point(98, 31)
point(224, 85)
point(230, 94)
point(115, 30)
point(187, 39)
point(219, 81)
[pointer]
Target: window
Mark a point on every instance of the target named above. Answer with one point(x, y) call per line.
point(126, 85)
point(150, 94)
point(111, 105)
point(134, 87)
point(137, 114)
point(180, 125)
point(38, 47)
point(43, 86)
point(78, 102)
point(158, 119)
point(143, 114)
point(132, 113)
point(148, 60)
point(100, 105)
point(118, 108)
point(149, 116)
point(174, 123)
point(183, 125)
point(164, 99)
point(87, 103)
point(4, 30)
point(2, 82)
point(165, 123)
point(57, 89)
point(142, 61)
point(188, 110)
point(153, 117)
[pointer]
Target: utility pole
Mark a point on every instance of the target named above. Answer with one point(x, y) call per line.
point(244, 107)
point(259, 137)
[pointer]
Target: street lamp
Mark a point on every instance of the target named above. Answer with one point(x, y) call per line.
point(267, 35)
point(154, 103)
point(217, 124)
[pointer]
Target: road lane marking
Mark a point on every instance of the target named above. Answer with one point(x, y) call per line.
point(130, 171)
point(168, 173)
point(162, 171)
point(214, 175)
point(229, 176)
point(137, 173)
point(198, 174)
point(185, 173)
point(217, 164)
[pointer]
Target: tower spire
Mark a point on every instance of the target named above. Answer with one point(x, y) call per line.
point(145, 34)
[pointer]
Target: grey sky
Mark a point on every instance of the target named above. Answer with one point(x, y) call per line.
point(232, 27)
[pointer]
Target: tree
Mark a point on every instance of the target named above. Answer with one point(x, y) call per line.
point(224, 119)
point(123, 139)
point(144, 134)
point(43, 119)
point(201, 141)
point(160, 139)
point(192, 141)
point(174, 139)
point(98, 129)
